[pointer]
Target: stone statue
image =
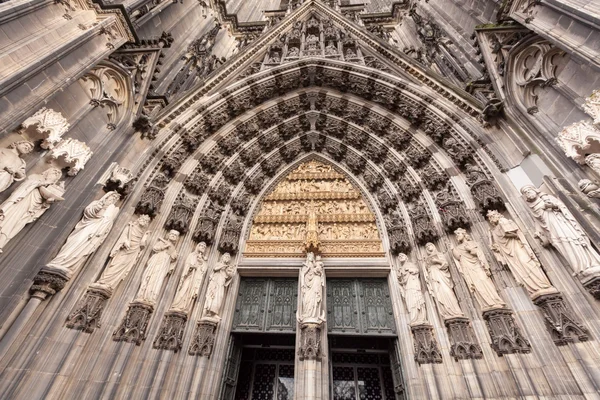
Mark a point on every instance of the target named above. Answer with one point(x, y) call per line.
point(472, 265)
point(28, 202)
point(12, 166)
point(410, 287)
point(439, 283)
point(222, 275)
point(191, 280)
point(311, 284)
point(589, 188)
point(159, 266)
point(511, 249)
point(88, 235)
point(331, 49)
point(125, 253)
point(561, 230)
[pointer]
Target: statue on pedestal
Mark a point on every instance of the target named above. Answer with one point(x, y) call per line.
point(410, 287)
point(125, 253)
point(191, 279)
point(223, 273)
point(89, 233)
point(439, 283)
point(561, 230)
point(472, 265)
point(12, 166)
point(28, 202)
point(511, 249)
point(159, 266)
point(312, 284)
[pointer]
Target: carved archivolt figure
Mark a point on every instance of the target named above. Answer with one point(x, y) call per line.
point(410, 287)
point(12, 166)
point(158, 268)
point(474, 268)
point(125, 253)
point(563, 232)
point(511, 249)
point(88, 235)
point(28, 202)
point(439, 283)
point(191, 280)
point(222, 275)
point(311, 284)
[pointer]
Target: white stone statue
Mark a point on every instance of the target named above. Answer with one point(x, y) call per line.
point(561, 230)
point(191, 280)
point(159, 266)
point(311, 284)
point(410, 287)
point(472, 265)
point(222, 275)
point(89, 233)
point(511, 249)
point(12, 166)
point(593, 161)
point(439, 283)
point(125, 253)
point(589, 188)
point(28, 202)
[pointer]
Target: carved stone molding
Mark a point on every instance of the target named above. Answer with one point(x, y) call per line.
point(170, 334)
point(48, 123)
point(47, 283)
point(464, 346)
point(181, 214)
point(87, 313)
point(203, 339)
point(427, 350)
point(560, 320)
point(504, 332)
point(153, 196)
point(71, 153)
point(134, 325)
point(310, 342)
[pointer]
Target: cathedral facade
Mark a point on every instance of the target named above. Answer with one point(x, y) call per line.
point(299, 199)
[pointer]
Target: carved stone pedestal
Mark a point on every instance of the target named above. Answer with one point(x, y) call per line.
point(204, 338)
point(426, 347)
point(505, 334)
point(47, 283)
point(86, 315)
point(310, 341)
point(593, 286)
point(464, 345)
point(170, 335)
point(135, 323)
point(560, 320)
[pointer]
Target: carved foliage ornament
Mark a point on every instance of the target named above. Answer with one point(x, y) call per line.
point(73, 153)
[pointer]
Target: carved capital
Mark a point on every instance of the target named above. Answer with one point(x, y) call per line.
point(134, 325)
point(170, 334)
point(204, 339)
point(310, 342)
point(506, 335)
point(86, 315)
point(561, 320)
point(426, 348)
point(47, 283)
point(464, 345)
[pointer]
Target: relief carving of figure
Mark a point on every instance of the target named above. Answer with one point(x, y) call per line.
point(191, 280)
point(125, 253)
point(439, 283)
point(561, 230)
point(223, 273)
point(472, 265)
point(511, 249)
point(159, 266)
point(410, 287)
point(331, 49)
point(28, 202)
point(311, 284)
point(89, 233)
point(12, 166)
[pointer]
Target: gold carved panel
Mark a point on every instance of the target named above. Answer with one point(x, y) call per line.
point(314, 208)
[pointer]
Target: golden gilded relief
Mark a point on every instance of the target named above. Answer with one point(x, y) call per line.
point(314, 208)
